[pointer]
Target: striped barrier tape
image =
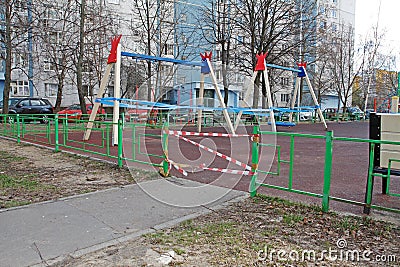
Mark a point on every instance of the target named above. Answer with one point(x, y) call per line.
point(237, 162)
point(177, 167)
point(239, 172)
point(185, 133)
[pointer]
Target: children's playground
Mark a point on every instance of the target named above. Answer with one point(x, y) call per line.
point(351, 166)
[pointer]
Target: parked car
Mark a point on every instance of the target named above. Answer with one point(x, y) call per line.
point(330, 113)
point(31, 106)
point(11, 102)
point(74, 112)
point(355, 113)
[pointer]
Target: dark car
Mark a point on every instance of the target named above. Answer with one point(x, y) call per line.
point(31, 106)
point(11, 102)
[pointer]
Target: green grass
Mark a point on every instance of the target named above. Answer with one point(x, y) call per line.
point(13, 203)
point(15, 183)
point(292, 219)
point(4, 155)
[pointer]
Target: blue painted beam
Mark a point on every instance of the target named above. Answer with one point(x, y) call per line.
point(165, 59)
point(188, 63)
point(282, 68)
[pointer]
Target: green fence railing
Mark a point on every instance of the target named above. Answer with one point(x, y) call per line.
point(64, 134)
point(325, 194)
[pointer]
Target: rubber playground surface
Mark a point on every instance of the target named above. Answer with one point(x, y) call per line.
point(349, 169)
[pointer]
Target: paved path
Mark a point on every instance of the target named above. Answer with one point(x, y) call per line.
point(45, 233)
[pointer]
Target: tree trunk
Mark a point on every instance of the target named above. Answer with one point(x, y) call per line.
point(8, 44)
point(60, 88)
point(79, 70)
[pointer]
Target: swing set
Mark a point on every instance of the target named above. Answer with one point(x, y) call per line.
point(114, 61)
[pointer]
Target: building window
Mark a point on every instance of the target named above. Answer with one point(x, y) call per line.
point(116, 2)
point(218, 74)
point(18, 61)
point(166, 70)
point(334, 27)
point(54, 37)
point(240, 39)
point(87, 90)
point(50, 89)
point(218, 55)
point(169, 49)
point(20, 88)
point(284, 81)
point(285, 98)
point(334, 13)
point(49, 66)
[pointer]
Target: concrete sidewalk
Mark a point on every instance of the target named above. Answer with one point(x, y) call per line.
point(45, 233)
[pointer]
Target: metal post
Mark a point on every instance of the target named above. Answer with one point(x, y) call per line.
point(254, 160)
point(327, 170)
point(56, 148)
point(370, 180)
point(18, 130)
point(120, 129)
point(165, 164)
point(291, 162)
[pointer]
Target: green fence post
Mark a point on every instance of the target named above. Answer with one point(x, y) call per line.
point(18, 130)
point(370, 181)
point(165, 163)
point(254, 160)
point(120, 129)
point(56, 130)
point(291, 162)
point(327, 170)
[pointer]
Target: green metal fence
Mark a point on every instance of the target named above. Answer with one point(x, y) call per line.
point(325, 194)
point(62, 133)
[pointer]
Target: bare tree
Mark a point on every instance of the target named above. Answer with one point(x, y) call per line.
point(345, 64)
point(217, 21)
point(15, 40)
point(55, 32)
point(155, 26)
point(273, 26)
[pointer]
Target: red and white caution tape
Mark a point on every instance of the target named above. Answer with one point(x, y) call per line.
point(241, 164)
point(184, 133)
point(177, 167)
point(227, 171)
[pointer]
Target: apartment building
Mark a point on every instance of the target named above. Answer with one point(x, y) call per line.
point(176, 30)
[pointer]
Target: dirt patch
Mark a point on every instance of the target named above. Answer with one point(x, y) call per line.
point(30, 174)
point(253, 233)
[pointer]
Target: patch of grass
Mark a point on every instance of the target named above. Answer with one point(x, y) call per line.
point(4, 155)
point(15, 183)
point(292, 219)
point(348, 223)
point(179, 251)
point(13, 203)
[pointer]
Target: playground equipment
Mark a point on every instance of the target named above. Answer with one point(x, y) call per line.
point(114, 60)
point(385, 156)
point(261, 66)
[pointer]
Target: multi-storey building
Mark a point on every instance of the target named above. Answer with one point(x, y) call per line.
point(162, 28)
